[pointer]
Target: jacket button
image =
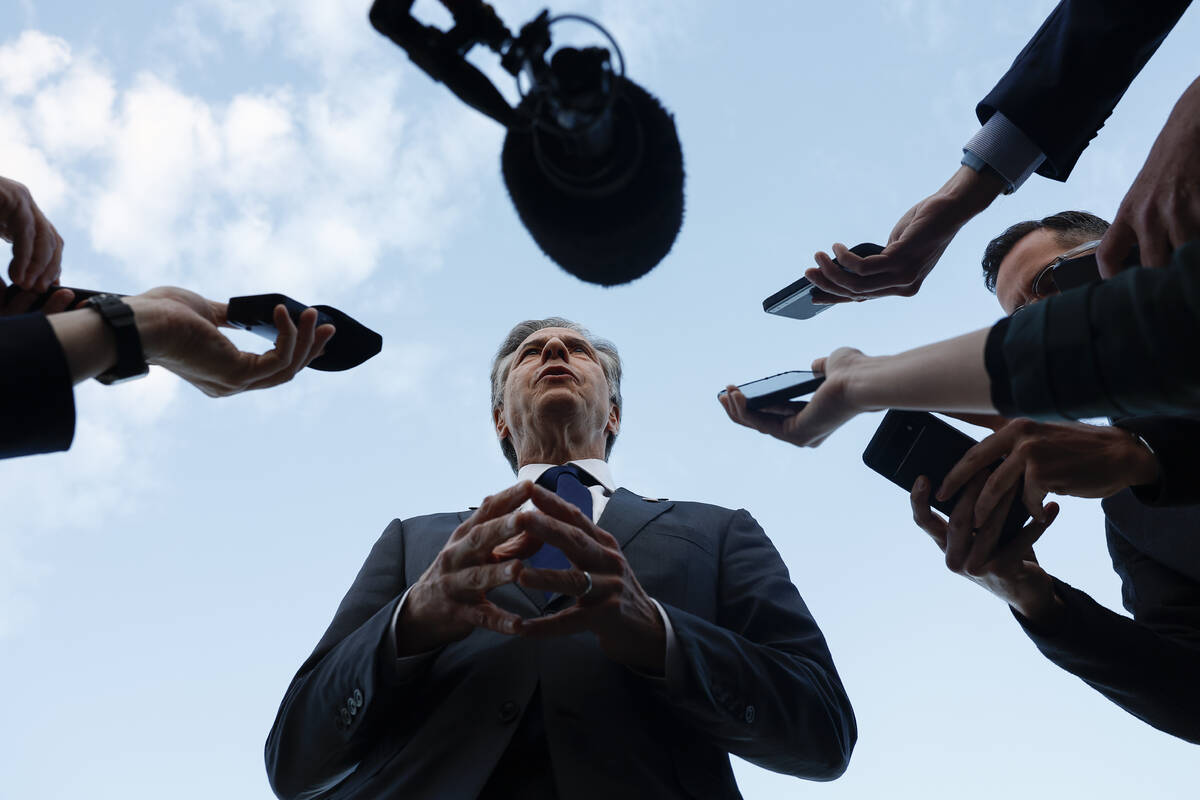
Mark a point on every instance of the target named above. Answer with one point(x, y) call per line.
point(508, 711)
point(353, 709)
point(749, 715)
point(345, 717)
point(358, 698)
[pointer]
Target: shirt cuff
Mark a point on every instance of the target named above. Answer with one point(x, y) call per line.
point(406, 667)
point(672, 647)
point(1004, 147)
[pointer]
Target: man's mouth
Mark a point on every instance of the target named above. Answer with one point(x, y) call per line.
point(556, 372)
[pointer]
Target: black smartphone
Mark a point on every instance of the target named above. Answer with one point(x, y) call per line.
point(909, 444)
point(795, 299)
point(778, 389)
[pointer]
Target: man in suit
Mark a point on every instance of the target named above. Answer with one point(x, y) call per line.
point(1144, 467)
point(568, 639)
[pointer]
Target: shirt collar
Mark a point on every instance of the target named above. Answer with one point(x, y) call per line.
point(595, 467)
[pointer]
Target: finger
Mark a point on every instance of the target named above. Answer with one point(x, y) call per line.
point(495, 506)
point(471, 582)
point(521, 546)
point(988, 534)
point(1022, 544)
point(1033, 495)
point(924, 516)
point(41, 263)
point(54, 268)
point(1154, 245)
point(1183, 226)
point(822, 298)
point(580, 549)
point(960, 533)
point(575, 619)
point(844, 282)
point(562, 581)
point(24, 233)
point(989, 451)
point(1001, 484)
point(477, 543)
point(59, 301)
point(486, 614)
point(862, 265)
point(570, 514)
point(818, 365)
point(1114, 248)
point(734, 403)
point(323, 335)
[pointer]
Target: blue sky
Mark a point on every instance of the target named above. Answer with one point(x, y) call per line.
point(160, 583)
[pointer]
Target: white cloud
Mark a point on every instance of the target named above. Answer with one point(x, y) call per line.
point(29, 60)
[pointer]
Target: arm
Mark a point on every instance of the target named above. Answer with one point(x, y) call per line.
point(1146, 665)
point(1042, 113)
point(354, 685)
point(37, 404)
point(1070, 76)
point(312, 746)
point(760, 681)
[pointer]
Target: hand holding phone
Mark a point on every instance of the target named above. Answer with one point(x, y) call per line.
point(795, 300)
point(776, 391)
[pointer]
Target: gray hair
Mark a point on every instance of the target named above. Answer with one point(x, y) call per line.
point(610, 361)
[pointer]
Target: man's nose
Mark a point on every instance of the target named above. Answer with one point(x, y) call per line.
point(554, 348)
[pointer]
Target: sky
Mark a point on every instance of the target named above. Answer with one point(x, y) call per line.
point(161, 582)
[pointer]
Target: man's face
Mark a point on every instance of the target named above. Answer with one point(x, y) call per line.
point(1029, 256)
point(556, 378)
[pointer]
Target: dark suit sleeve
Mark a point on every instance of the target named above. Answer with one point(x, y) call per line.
point(1066, 82)
point(37, 401)
point(1127, 346)
point(760, 682)
point(313, 745)
point(1176, 443)
point(1147, 665)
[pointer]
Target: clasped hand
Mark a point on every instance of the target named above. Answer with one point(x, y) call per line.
point(450, 599)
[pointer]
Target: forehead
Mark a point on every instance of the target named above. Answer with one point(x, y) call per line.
point(544, 334)
point(1033, 250)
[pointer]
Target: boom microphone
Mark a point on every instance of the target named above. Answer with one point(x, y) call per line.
point(591, 160)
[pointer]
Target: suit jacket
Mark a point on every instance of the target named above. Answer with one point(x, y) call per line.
point(37, 400)
point(750, 675)
point(1069, 77)
point(1148, 665)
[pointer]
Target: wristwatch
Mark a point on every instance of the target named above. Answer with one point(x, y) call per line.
point(131, 361)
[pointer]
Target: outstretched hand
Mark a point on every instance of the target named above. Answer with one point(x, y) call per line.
point(916, 243)
point(804, 424)
point(37, 247)
point(180, 331)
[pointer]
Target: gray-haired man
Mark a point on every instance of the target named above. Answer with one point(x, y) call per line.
point(567, 639)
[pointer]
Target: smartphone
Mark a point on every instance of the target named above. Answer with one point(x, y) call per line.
point(795, 299)
point(778, 389)
point(909, 444)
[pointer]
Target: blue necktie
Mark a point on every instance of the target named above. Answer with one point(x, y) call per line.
point(565, 482)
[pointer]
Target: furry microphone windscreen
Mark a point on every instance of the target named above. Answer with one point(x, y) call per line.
point(618, 233)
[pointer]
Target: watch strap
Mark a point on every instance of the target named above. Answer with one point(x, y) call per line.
point(131, 361)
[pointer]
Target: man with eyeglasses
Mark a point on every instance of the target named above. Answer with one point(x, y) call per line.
point(1147, 665)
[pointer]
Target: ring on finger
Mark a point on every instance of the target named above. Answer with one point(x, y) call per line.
point(588, 576)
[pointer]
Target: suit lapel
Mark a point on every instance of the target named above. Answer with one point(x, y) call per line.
point(627, 514)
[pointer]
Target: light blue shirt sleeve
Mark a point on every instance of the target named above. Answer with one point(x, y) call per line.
point(1004, 147)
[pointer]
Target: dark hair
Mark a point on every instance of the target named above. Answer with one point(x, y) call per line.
point(610, 362)
point(1071, 229)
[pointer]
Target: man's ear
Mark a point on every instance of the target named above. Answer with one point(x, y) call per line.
point(613, 427)
point(500, 423)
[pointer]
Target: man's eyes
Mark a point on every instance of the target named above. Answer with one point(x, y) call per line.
point(575, 348)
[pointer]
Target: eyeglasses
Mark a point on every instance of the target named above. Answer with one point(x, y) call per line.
point(1076, 267)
